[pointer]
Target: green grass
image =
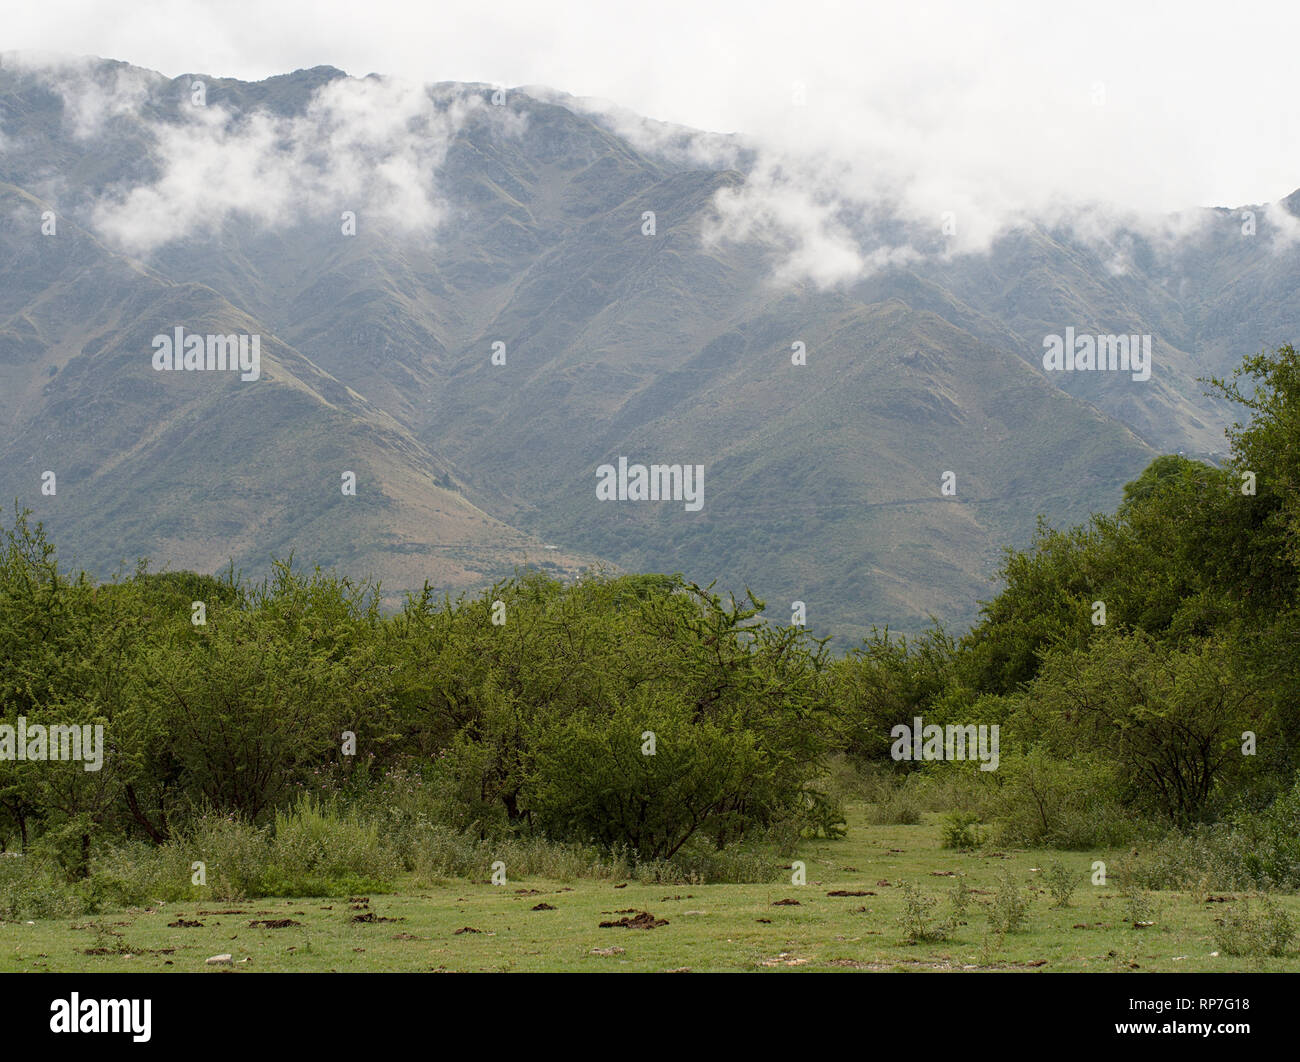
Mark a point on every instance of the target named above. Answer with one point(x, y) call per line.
point(710, 927)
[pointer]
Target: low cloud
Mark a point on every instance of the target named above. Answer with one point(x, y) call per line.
point(371, 145)
point(93, 92)
point(827, 200)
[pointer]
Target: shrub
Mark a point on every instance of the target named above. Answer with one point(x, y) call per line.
point(1265, 931)
point(1007, 913)
point(899, 808)
point(1138, 906)
point(959, 899)
point(317, 850)
point(914, 920)
point(35, 887)
point(1270, 841)
point(961, 830)
point(236, 855)
point(1207, 858)
point(133, 875)
point(1044, 802)
point(1061, 883)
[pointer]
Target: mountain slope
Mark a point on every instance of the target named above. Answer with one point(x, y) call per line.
point(522, 229)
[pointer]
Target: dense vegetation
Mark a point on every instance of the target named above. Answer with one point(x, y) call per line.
point(1142, 671)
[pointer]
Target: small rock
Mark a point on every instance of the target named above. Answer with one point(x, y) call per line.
point(220, 960)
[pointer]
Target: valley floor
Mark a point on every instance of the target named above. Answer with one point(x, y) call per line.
point(534, 925)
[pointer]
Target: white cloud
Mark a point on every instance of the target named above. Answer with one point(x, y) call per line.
point(989, 104)
point(92, 93)
point(371, 145)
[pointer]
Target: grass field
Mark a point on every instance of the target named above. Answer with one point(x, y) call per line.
point(461, 925)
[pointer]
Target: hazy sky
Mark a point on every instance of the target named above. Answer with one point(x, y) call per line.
point(993, 107)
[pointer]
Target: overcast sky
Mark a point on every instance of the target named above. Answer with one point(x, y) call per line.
point(1153, 106)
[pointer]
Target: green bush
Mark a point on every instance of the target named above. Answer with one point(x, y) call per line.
point(1139, 908)
point(1050, 803)
point(1264, 931)
point(1269, 841)
point(1010, 906)
point(899, 808)
point(960, 830)
point(33, 887)
point(917, 912)
point(1061, 882)
point(318, 850)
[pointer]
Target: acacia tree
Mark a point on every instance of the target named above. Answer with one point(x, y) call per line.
point(734, 708)
point(239, 711)
point(64, 649)
point(1171, 719)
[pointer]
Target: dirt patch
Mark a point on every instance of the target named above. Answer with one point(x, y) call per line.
point(129, 951)
point(184, 923)
point(370, 917)
point(466, 929)
point(786, 903)
point(784, 959)
point(643, 920)
point(544, 907)
point(273, 923)
point(851, 892)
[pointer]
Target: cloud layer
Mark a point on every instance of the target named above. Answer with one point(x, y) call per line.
point(939, 137)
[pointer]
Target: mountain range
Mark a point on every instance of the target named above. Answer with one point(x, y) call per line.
point(471, 299)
